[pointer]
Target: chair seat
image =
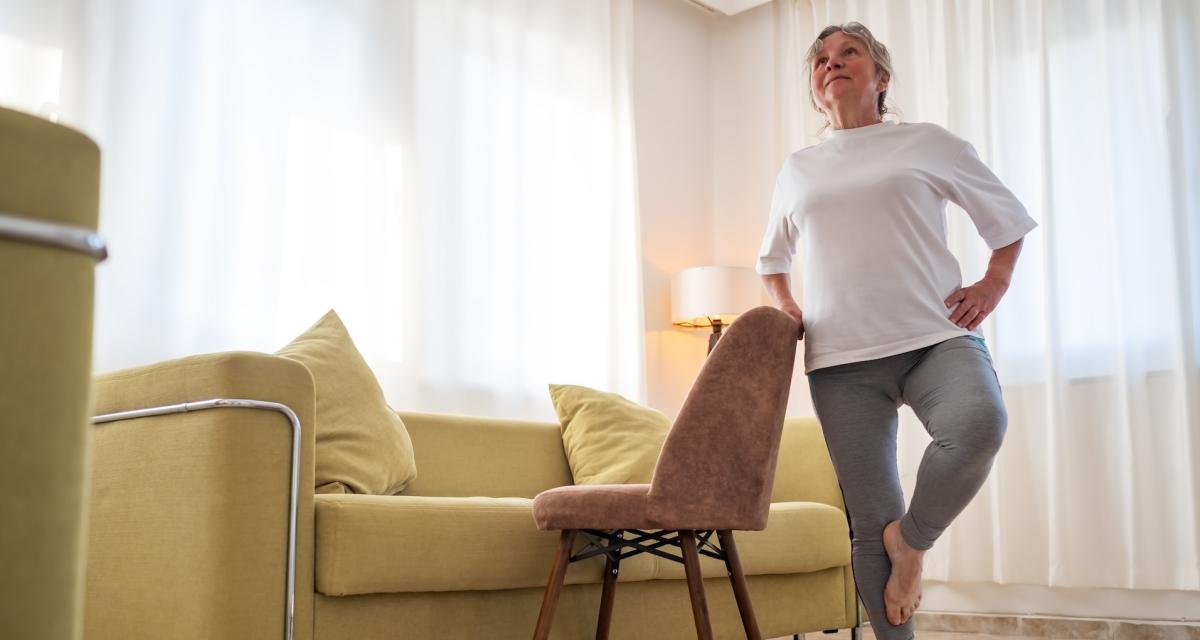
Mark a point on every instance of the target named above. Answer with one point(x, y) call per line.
point(632, 506)
point(594, 506)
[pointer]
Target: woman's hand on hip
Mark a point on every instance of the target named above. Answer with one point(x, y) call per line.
point(975, 302)
point(793, 310)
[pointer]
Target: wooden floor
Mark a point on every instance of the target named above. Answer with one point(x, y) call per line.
point(922, 635)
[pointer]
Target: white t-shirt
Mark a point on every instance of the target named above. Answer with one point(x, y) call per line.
point(869, 203)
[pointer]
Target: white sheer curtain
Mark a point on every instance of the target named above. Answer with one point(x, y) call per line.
point(455, 177)
point(1089, 112)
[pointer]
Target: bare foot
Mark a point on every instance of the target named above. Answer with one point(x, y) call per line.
point(903, 593)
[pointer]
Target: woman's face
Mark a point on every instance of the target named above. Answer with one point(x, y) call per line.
point(844, 74)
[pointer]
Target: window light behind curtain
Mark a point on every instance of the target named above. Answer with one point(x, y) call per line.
point(455, 177)
point(1088, 111)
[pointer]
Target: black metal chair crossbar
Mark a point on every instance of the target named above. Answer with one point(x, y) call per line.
point(616, 541)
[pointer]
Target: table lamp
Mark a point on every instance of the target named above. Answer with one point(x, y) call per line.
point(713, 297)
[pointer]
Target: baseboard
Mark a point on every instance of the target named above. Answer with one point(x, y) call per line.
point(1055, 627)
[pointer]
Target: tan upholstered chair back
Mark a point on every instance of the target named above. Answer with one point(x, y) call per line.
point(717, 465)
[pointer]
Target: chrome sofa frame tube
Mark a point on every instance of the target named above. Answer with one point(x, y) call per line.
point(227, 403)
point(53, 234)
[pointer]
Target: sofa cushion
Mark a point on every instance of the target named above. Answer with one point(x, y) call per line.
point(388, 544)
point(608, 439)
point(360, 441)
point(800, 537)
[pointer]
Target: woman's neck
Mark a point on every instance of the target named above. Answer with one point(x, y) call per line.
point(852, 118)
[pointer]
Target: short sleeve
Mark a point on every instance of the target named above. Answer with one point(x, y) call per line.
point(999, 217)
point(781, 238)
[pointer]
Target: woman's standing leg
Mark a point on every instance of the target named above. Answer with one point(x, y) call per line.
point(856, 405)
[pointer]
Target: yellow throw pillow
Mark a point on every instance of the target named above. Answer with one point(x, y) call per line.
point(608, 439)
point(361, 442)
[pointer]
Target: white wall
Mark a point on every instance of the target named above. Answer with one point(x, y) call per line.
point(742, 90)
point(744, 152)
point(672, 49)
point(705, 115)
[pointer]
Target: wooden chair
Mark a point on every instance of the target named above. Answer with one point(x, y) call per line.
point(714, 475)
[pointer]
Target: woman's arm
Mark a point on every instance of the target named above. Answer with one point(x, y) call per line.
point(978, 301)
point(1004, 260)
point(779, 285)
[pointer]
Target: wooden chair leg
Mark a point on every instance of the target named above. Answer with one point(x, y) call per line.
point(554, 585)
point(691, 566)
point(611, 569)
point(733, 563)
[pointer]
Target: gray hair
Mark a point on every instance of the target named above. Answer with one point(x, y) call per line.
point(878, 52)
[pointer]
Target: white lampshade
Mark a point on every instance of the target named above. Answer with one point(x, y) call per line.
point(700, 293)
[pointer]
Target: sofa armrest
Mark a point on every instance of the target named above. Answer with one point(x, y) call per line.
point(804, 472)
point(189, 513)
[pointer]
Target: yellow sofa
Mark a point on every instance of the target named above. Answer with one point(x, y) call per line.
point(49, 202)
point(190, 514)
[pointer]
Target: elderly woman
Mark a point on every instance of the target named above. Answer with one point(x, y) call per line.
point(886, 317)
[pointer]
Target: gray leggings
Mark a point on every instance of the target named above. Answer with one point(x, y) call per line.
point(953, 389)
